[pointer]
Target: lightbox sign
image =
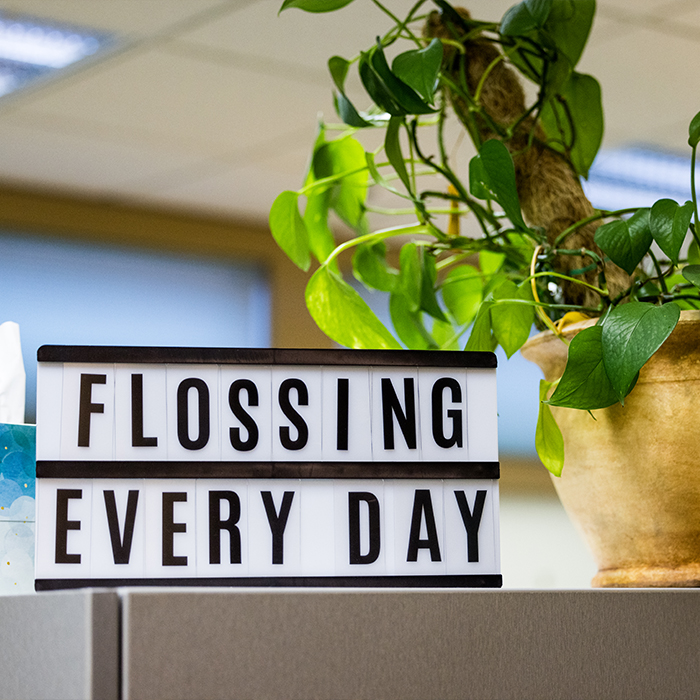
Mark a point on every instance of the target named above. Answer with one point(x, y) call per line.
point(185, 466)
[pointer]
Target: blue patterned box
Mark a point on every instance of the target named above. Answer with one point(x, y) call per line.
point(17, 508)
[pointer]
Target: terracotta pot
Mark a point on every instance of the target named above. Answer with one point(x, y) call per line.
point(631, 478)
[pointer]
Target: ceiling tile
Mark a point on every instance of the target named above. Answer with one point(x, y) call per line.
point(636, 7)
point(295, 36)
point(50, 159)
point(310, 39)
point(246, 191)
point(221, 115)
point(127, 17)
point(193, 102)
point(690, 17)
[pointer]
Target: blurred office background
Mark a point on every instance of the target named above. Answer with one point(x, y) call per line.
point(143, 142)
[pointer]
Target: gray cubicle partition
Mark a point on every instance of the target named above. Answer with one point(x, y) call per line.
point(60, 646)
point(336, 644)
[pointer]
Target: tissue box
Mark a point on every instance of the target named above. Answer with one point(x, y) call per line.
point(17, 508)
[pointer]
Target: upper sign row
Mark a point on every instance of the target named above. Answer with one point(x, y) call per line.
point(257, 413)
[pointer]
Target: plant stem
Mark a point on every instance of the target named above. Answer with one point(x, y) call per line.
point(451, 260)
point(401, 25)
point(602, 292)
point(533, 285)
point(480, 212)
point(330, 180)
point(480, 86)
point(694, 193)
point(594, 217)
point(396, 212)
point(415, 229)
point(659, 272)
point(545, 305)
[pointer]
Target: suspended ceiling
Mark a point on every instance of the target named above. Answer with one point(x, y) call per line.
point(210, 106)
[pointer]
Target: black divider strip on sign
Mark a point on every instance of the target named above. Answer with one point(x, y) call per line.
point(264, 356)
point(266, 470)
point(445, 581)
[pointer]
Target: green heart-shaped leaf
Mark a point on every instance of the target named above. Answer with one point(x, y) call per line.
point(694, 131)
point(462, 293)
point(518, 20)
point(669, 225)
point(569, 24)
point(632, 333)
point(539, 9)
point(321, 241)
point(289, 230)
point(371, 268)
point(419, 69)
point(692, 274)
point(478, 179)
point(338, 68)
point(579, 103)
point(408, 324)
point(428, 296)
point(344, 157)
point(388, 91)
point(392, 148)
point(481, 338)
point(585, 383)
point(445, 335)
point(626, 242)
point(405, 95)
point(490, 262)
point(342, 314)
point(512, 322)
point(315, 5)
point(500, 174)
point(411, 275)
point(549, 442)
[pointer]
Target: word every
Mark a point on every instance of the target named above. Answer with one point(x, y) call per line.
point(253, 527)
point(253, 413)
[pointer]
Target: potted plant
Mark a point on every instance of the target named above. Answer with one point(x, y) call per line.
point(507, 239)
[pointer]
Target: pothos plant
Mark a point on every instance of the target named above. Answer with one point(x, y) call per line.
point(537, 252)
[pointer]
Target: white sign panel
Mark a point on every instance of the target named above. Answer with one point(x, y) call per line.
point(266, 467)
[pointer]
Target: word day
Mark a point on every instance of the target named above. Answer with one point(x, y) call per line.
point(183, 412)
point(221, 528)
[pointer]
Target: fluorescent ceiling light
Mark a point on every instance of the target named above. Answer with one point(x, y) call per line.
point(32, 48)
point(637, 176)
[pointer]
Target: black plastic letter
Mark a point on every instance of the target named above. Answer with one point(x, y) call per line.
point(471, 521)
point(216, 525)
point(356, 557)
point(87, 407)
point(137, 438)
point(183, 413)
point(234, 401)
point(391, 406)
point(454, 414)
point(170, 528)
point(423, 504)
point(278, 522)
point(299, 423)
point(63, 525)
point(121, 546)
point(343, 413)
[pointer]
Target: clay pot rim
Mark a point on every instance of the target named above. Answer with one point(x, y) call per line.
point(688, 317)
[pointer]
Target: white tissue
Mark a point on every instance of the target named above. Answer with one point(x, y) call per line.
point(12, 376)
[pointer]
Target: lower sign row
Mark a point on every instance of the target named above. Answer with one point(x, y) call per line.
point(229, 528)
